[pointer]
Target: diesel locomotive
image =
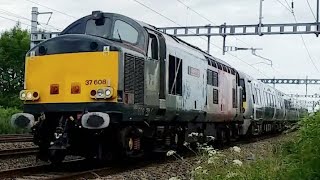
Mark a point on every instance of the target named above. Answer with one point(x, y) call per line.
point(109, 86)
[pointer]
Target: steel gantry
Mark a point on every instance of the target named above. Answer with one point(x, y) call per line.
point(304, 96)
point(223, 30)
point(237, 30)
point(208, 31)
point(292, 81)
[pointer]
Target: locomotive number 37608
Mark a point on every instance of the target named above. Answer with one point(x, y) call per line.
point(96, 82)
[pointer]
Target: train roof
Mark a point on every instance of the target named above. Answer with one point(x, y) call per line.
point(146, 25)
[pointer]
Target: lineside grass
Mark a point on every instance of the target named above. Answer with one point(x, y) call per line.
point(295, 156)
point(5, 126)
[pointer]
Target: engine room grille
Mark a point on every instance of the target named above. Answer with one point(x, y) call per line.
point(134, 77)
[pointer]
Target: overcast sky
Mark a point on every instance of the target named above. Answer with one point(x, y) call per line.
point(287, 52)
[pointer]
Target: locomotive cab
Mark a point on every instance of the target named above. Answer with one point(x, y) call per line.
point(76, 80)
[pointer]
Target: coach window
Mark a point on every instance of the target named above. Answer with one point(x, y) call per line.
point(233, 72)
point(234, 103)
point(257, 96)
point(242, 84)
point(273, 101)
point(253, 99)
point(260, 96)
point(209, 77)
point(270, 100)
point(211, 62)
point(214, 64)
point(225, 69)
point(215, 96)
point(266, 98)
point(219, 66)
point(215, 81)
point(153, 47)
point(175, 75)
point(229, 70)
point(125, 32)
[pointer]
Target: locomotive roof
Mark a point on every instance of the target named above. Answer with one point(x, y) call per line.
point(146, 25)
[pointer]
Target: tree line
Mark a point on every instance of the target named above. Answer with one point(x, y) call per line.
point(14, 44)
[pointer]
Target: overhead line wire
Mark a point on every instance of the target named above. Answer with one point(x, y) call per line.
point(15, 21)
point(311, 10)
point(21, 17)
point(288, 8)
point(193, 10)
point(303, 41)
point(305, 46)
point(287, 4)
point(200, 37)
point(52, 9)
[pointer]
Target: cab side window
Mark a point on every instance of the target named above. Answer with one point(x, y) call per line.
point(125, 32)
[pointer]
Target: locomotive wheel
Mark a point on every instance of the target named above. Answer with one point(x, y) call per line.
point(131, 142)
point(235, 132)
point(56, 156)
point(227, 131)
point(220, 136)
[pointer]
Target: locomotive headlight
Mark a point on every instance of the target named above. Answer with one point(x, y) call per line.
point(108, 92)
point(23, 95)
point(29, 95)
point(100, 92)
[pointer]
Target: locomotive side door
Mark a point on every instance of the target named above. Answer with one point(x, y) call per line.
point(155, 69)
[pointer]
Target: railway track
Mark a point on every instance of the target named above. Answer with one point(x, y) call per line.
point(73, 169)
point(10, 153)
point(9, 138)
point(83, 169)
point(36, 172)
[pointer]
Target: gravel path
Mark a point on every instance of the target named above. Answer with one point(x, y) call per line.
point(16, 145)
point(6, 164)
point(182, 169)
point(165, 170)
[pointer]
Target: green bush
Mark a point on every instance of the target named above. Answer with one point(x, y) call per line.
point(5, 125)
point(10, 101)
point(295, 158)
point(302, 156)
